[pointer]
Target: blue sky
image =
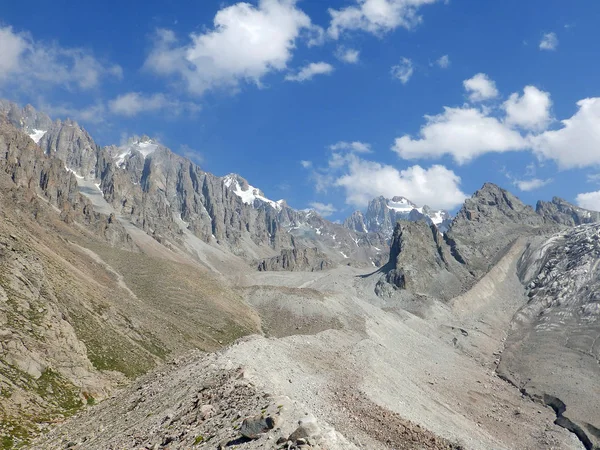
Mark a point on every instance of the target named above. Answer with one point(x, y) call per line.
point(324, 102)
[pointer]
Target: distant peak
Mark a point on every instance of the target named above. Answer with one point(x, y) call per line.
point(247, 193)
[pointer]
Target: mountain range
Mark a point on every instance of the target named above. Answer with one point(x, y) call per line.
point(456, 332)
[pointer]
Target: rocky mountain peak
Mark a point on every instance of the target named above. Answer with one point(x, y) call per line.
point(383, 213)
point(250, 195)
point(562, 212)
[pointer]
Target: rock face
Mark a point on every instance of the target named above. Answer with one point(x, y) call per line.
point(297, 259)
point(382, 215)
point(488, 224)
point(422, 263)
point(558, 331)
point(168, 196)
point(32, 121)
point(564, 213)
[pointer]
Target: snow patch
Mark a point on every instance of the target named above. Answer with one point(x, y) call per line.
point(36, 135)
point(74, 173)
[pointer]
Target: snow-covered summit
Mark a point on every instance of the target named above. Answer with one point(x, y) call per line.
point(402, 204)
point(143, 145)
point(249, 194)
point(383, 213)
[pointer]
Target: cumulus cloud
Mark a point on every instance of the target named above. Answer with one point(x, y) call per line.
point(403, 71)
point(532, 184)
point(521, 123)
point(577, 142)
point(362, 180)
point(464, 133)
point(376, 16)
point(347, 55)
point(530, 111)
point(356, 146)
point(27, 64)
point(589, 200)
point(309, 71)
point(549, 42)
point(246, 43)
point(134, 103)
point(443, 62)
point(325, 210)
point(306, 164)
point(480, 88)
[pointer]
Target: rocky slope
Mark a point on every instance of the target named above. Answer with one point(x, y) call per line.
point(558, 331)
point(382, 214)
point(82, 306)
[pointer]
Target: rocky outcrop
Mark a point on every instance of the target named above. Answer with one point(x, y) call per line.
point(422, 263)
point(488, 224)
point(564, 213)
point(297, 259)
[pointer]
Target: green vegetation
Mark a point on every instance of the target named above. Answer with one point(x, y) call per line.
point(55, 389)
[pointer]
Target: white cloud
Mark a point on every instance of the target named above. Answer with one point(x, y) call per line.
point(480, 88)
point(95, 113)
point(443, 62)
point(356, 146)
point(531, 185)
point(306, 164)
point(347, 55)
point(589, 200)
point(577, 143)
point(530, 111)
point(134, 103)
point(464, 133)
point(323, 209)
point(376, 16)
point(191, 154)
point(549, 42)
point(12, 47)
point(246, 43)
point(403, 71)
point(362, 180)
point(27, 64)
point(309, 71)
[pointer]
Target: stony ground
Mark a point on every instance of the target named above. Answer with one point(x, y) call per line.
point(379, 377)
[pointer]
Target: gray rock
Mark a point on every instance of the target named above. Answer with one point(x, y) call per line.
point(254, 427)
point(564, 213)
point(306, 429)
point(421, 262)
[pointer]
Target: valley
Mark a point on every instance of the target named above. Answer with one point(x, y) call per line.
point(146, 303)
